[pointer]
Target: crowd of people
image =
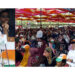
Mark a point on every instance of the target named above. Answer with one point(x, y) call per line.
point(55, 46)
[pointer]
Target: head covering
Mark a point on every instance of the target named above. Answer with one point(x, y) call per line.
point(58, 59)
point(27, 47)
point(61, 57)
point(73, 40)
point(52, 40)
point(48, 49)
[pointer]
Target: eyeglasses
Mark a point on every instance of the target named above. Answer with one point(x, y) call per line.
point(6, 16)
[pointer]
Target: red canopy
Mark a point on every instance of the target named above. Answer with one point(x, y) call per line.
point(47, 14)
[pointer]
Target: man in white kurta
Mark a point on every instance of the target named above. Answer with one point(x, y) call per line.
point(71, 58)
point(39, 34)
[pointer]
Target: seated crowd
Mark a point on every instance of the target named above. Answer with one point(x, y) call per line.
point(55, 46)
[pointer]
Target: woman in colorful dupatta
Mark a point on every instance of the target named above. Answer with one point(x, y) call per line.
point(24, 61)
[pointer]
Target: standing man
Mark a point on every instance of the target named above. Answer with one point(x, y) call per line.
point(4, 19)
point(7, 22)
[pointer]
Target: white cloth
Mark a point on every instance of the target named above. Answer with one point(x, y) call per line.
point(3, 41)
point(10, 45)
point(71, 55)
point(33, 38)
point(39, 44)
point(39, 34)
point(66, 37)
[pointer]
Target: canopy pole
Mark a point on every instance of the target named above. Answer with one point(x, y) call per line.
point(40, 17)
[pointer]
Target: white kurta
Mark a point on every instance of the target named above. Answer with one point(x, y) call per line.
point(71, 55)
point(39, 34)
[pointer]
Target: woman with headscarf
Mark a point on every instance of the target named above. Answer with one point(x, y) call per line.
point(49, 59)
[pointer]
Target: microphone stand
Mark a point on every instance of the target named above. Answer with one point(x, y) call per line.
point(7, 54)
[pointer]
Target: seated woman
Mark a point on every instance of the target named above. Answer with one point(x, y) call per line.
point(24, 61)
point(46, 59)
point(49, 57)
